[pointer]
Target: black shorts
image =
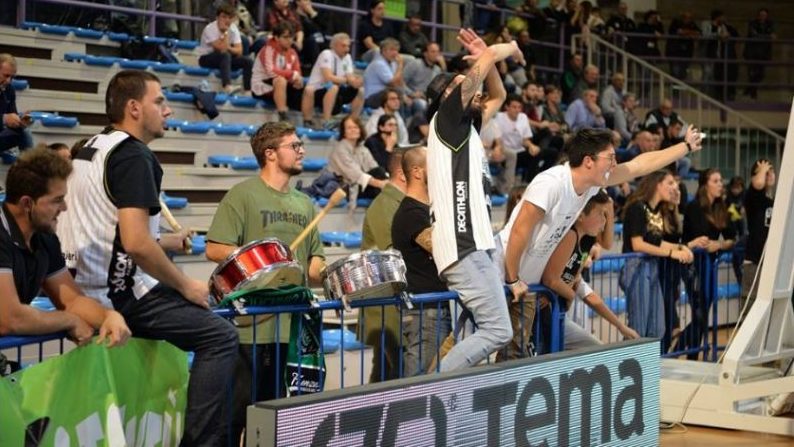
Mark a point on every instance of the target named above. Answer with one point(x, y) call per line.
point(345, 96)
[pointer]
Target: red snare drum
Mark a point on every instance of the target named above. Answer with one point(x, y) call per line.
point(258, 265)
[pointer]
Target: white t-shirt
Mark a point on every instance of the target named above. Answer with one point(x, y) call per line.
point(340, 66)
point(490, 132)
point(513, 132)
point(552, 191)
point(211, 33)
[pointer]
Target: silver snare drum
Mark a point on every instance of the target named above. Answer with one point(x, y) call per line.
point(369, 274)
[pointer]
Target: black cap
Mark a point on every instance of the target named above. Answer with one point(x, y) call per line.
point(435, 90)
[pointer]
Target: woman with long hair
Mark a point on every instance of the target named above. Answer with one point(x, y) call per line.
point(705, 220)
point(382, 143)
point(353, 163)
point(643, 232)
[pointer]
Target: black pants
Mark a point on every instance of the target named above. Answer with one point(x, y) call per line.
point(225, 62)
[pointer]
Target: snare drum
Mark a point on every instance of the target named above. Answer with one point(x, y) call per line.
point(369, 274)
point(265, 264)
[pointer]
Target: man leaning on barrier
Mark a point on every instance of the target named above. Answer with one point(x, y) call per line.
point(31, 259)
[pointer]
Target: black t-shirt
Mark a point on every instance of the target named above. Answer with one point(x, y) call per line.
point(8, 102)
point(643, 221)
point(580, 253)
point(696, 224)
point(368, 29)
point(377, 147)
point(410, 219)
point(758, 207)
point(29, 267)
point(133, 176)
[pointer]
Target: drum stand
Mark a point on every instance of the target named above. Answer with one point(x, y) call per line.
point(739, 393)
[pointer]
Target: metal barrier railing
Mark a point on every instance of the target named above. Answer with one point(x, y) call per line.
point(734, 140)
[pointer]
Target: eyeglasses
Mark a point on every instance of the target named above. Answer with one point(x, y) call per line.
point(610, 157)
point(295, 146)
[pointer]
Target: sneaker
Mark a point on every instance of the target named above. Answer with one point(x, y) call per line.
point(282, 116)
point(330, 124)
point(311, 124)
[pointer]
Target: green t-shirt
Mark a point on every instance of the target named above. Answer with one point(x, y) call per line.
point(376, 232)
point(252, 211)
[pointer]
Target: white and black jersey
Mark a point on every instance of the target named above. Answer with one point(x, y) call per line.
point(459, 183)
point(113, 170)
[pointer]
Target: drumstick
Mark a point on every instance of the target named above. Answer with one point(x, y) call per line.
point(166, 213)
point(334, 200)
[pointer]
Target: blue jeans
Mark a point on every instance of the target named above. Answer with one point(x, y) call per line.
point(477, 281)
point(644, 301)
point(15, 137)
point(225, 62)
point(162, 314)
point(424, 334)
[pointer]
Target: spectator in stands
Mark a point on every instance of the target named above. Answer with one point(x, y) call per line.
point(382, 143)
point(626, 122)
point(491, 136)
point(612, 98)
point(552, 112)
point(389, 104)
point(653, 27)
point(385, 70)
point(756, 52)
point(487, 15)
point(705, 220)
point(411, 234)
point(277, 71)
point(642, 142)
point(61, 149)
point(721, 48)
point(554, 199)
point(354, 163)
point(13, 131)
point(621, 22)
point(412, 40)
point(643, 232)
point(238, 221)
point(662, 116)
point(589, 80)
point(419, 72)
point(518, 148)
point(681, 44)
point(314, 34)
point(596, 23)
point(672, 137)
point(584, 112)
point(112, 245)
point(281, 12)
point(525, 45)
point(535, 20)
point(758, 202)
point(532, 99)
point(333, 83)
point(571, 77)
point(383, 321)
point(562, 274)
point(221, 48)
point(671, 272)
point(372, 30)
point(31, 260)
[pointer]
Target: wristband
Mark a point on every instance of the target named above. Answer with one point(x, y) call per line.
point(512, 283)
point(688, 147)
point(670, 255)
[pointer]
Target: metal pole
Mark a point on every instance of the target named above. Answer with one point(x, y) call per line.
point(20, 12)
point(433, 17)
point(152, 19)
point(354, 32)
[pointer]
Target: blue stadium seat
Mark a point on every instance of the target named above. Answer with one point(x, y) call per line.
point(196, 71)
point(186, 44)
point(178, 96)
point(731, 290)
point(352, 239)
point(314, 164)
point(334, 339)
point(229, 129)
point(30, 25)
point(42, 303)
point(55, 29)
point(2, 196)
point(692, 175)
point(172, 202)
point(361, 65)
point(137, 64)
point(322, 201)
point(200, 127)
point(102, 61)
point(332, 237)
point(363, 203)
point(155, 40)
point(19, 84)
point(50, 120)
point(251, 130)
point(73, 57)
point(321, 134)
point(234, 162)
point(87, 33)
point(619, 229)
point(221, 98)
point(167, 68)
point(199, 244)
point(173, 123)
point(498, 200)
point(243, 101)
point(118, 37)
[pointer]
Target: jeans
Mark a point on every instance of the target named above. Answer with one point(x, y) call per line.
point(225, 62)
point(477, 281)
point(424, 334)
point(644, 301)
point(163, 314)
point(15, 137)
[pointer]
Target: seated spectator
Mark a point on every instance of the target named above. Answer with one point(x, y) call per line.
point(221, 47)
point(571, 77)
point(419, 72)
point(672, 137)
point(381, 144)
point(553, 114)
point(642, 142)
point(332, 83)
point(626, 122)
point(562, 274)
point(584, 112)
point(612, 98)
point(277, 71)
point(281, 12)
point(662, 116)
point(314, 31)
point(13, 128)
point(31, 259)
point(385, 70)
point(389, 104)
point(517, 143)
point(353, 163)
point(373, 29)
point(412, 40)
point(588, 81)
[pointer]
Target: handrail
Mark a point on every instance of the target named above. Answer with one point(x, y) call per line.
point(669, 78)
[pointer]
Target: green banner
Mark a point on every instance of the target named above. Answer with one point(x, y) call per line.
point(130, 395)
